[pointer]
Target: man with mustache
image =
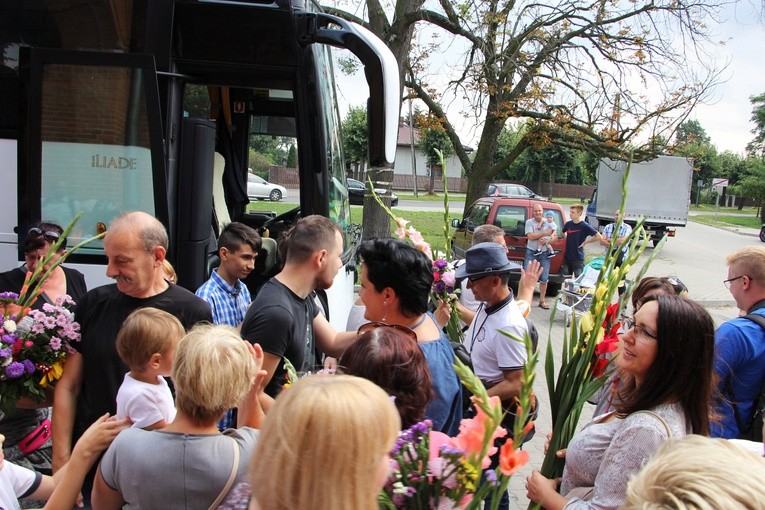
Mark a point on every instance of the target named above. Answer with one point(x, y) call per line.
point(135, 246)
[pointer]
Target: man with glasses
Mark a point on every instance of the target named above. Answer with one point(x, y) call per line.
point(497, 359)
point(740, 346)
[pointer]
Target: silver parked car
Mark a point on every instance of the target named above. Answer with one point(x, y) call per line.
point(259, 188)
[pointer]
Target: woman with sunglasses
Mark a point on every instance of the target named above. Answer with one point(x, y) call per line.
point(396, 279)
point(390, 357)
point(29, 424)
point(62, 281)
point(666, 362)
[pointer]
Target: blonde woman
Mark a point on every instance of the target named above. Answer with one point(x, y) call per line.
point(189, 463)
point(324, 446)
point(699, 473)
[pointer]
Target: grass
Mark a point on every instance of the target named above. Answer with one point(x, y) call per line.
point(429, 223)
point(722, 220)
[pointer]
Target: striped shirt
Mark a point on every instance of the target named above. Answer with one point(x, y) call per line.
point(608, 232)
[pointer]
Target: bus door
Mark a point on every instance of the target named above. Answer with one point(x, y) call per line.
point(92, 143)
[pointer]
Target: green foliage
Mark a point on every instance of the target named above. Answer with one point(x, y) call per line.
point(259, 163)
point(752, 184)
point(433, 138)
point(690, 132)
point(292, 161)
point(355, 135)
point(757, 146)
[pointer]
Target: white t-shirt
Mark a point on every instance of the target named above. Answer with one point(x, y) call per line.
point(16, 482)
point(145, 404)
point(490, 351)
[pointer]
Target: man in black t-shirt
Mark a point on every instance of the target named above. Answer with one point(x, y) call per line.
point(577, 233)
point(284, 318)
point(135, 246)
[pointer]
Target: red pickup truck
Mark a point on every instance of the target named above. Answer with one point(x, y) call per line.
point(511, 214)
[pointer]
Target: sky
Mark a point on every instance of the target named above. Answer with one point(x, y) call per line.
point(726, 118)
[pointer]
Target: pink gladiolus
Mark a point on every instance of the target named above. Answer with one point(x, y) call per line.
point(511, 460)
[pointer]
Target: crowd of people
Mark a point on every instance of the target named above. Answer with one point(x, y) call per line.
point(231, 429)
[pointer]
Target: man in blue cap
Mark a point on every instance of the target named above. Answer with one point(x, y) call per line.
point(497, 359)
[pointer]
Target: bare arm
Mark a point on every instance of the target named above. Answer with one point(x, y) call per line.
point(270, 364)
point(104, 497)
point(598, 237)
point(68, 480)
point(509, 387)
point(329, 340)
point(64, 407)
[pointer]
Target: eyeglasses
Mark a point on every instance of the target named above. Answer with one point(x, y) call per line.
point(729, 280)
point(473, 279)
point(49, 235)
point(639, 330)
point(370, 326)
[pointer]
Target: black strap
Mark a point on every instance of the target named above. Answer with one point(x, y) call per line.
point(728, 387)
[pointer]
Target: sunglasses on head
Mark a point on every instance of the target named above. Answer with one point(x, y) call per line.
point(369, 326)
point(49, 235)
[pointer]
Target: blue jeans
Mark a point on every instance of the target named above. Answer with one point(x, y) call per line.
point(543, 259)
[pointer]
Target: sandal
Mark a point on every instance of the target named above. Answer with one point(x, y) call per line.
point(544, 305)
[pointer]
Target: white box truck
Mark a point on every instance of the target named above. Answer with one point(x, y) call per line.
point(659, 189)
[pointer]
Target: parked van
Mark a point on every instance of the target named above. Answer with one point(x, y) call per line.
point(511, 214)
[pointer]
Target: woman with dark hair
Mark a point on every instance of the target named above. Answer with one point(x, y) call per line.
point(31, 419)
point(62, 281)
point(395, 287)
point(391, 358)
point(665, 359)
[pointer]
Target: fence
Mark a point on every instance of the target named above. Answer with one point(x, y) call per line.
point(288, 177)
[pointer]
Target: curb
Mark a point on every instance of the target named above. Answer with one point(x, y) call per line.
point(713, 303)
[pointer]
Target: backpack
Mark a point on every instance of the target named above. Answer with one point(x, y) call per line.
point(752, 430)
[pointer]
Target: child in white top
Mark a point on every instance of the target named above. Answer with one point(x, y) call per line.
point(146, 343)
point(544, 242)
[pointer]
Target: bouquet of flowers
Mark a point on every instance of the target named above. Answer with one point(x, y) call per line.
point(432, 470)
point(33, 347)
point(586, 346)
point(35, 343)
point(444, 282)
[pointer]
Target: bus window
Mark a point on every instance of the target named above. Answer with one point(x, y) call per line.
point(93, 140)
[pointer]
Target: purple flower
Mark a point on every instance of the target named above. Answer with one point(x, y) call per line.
point(38, 328)
point(49, 322)
point(14, 370)
point(10, 296)
point(6, 353)
point(29, 367)
point(491, 477)
point(55, 343)
point(441, 264)
point(48, 308)
point(439, 287)
point(62, 320)
point(9, 339)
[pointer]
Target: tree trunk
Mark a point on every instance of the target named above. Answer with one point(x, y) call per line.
point(375, 220)
point(432, 183)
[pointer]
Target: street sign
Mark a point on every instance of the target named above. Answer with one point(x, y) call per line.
point(716, 182)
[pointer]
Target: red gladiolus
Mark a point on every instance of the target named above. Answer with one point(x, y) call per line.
point(600, 366)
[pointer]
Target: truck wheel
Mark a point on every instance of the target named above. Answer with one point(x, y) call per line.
point(655, 242)
point(762, 234)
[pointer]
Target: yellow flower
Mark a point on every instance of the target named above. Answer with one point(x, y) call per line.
point(53, 375)
point(625, 269)
point(599, 337)
point(586, 323)
point(600, 291)
point(598, 307)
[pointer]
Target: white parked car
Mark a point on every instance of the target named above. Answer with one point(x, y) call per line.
point(259, 188)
